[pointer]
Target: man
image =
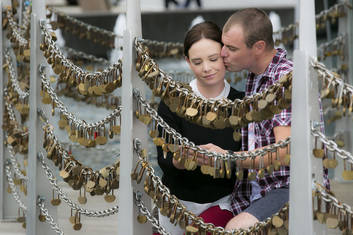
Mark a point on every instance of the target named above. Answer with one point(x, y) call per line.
point(248, 44)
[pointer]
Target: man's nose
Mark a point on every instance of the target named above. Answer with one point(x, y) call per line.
point(224, 52)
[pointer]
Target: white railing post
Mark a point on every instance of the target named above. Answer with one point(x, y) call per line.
point(340, 125)
point(350, 44)
point(2, 146)
point(38, 184)
point(130, 127)
point(305, 113)
point(8, 206)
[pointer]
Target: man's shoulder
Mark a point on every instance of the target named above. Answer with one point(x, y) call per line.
point(283, 67)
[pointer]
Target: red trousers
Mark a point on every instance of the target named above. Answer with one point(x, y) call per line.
point(216, 216)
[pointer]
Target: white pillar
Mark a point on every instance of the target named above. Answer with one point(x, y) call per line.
point(305, 111)
point(130, 127)
point(38, 183)
point(2, 146)
point(340, 125)
point(8, 206)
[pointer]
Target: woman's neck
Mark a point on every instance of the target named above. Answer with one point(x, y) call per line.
point(210, 91)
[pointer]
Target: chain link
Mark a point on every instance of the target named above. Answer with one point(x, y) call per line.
point(71, 204)
point(332, 146)
point(339, 40)
point(185, 142)
point(104, 32)
point(13, 187)
point(59, 146)
point(71, 117)
point(15, 163)
point(331, 78)
point(236, 106)
point(210, 227)
point(143, 210)
point(16, 31)
point(81, 74)
point(9, 107)
point(84, 55)
point(330, 198)
point(48, 218)
point(12, 74)
point(26, 19)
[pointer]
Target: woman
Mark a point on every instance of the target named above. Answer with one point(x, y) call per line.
point(198, 192)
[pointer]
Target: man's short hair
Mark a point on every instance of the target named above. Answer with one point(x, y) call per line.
point(256, 26)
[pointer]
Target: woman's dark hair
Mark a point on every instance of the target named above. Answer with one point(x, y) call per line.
point(205, 29)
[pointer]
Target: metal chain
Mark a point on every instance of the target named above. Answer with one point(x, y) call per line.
point(69, 116)
point(334, 42)
point(210, 227)
point(15, 30)
point(224, 103)
point(88, 27)
point(12, 74)
point(13, 187)
point(26, 20)
point(191, 145)
point(330, 198)
point(323, 14)
point(332, 146)
point(15, 163)
point(71, 204)
point(331, 78)
point(10, 111)
point(143, 210)
point(82, 74)
point(84, 55)
point(9, 107)
point(48, 218)
point(59, 146)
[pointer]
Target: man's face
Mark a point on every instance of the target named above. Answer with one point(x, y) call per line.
point(236, 55)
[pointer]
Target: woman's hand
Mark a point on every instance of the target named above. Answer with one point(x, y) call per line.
point(213, 148)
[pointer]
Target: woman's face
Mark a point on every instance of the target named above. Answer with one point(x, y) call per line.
point(206, 62)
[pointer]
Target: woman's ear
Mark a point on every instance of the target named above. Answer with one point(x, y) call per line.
point(187, 60)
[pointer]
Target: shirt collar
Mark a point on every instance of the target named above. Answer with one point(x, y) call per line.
point(280, 55)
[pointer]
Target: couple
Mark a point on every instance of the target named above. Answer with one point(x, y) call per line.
point(245, 43)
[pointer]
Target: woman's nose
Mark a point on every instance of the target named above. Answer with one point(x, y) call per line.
point(206, 67)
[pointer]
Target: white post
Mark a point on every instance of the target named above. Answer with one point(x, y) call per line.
point(20, 15)
point(130, 127)
point(2, 150)
point(305, 112)
point(340, 125)
point(38, 185)
point(8, 206)
point(350, 45)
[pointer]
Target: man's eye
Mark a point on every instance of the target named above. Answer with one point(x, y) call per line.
point(214, 59)
point(197, 63)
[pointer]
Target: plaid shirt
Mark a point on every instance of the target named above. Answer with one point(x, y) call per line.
point(264, 135)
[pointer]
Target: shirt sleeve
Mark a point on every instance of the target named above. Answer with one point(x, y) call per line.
point(284, 118)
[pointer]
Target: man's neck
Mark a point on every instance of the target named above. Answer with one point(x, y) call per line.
point(263, 62)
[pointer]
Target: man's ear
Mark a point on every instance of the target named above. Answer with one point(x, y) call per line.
point(260, 46)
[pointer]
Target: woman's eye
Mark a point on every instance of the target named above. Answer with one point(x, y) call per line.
point(214, 59)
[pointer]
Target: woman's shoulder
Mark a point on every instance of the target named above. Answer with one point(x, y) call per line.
point(235, 94)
